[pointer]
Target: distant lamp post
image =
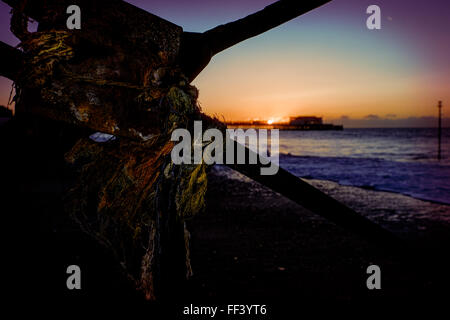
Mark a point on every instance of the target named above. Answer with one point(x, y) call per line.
point(439, 129)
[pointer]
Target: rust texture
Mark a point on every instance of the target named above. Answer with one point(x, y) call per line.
point(117, 75)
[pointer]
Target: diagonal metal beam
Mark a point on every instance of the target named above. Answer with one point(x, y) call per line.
point(317, 201)
point(197, 49)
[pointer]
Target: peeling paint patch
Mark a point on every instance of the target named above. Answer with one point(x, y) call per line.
point(115, 128)
point(81, 112)
point(102, 137)
point(140, 135)
point(93, 99)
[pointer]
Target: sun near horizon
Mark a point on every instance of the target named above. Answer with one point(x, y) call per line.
point(325, 63)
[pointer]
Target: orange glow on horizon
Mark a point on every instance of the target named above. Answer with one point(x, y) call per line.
point(243, 84)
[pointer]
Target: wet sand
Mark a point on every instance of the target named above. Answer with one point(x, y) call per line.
point(252, 244)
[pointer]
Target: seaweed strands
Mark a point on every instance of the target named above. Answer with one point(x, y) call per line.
point(131, 198)
point(128, 195)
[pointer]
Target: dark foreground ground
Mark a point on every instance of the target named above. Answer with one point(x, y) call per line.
point(265, 248)
point(250, 246)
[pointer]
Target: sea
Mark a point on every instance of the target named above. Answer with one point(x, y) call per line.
point(402, 160)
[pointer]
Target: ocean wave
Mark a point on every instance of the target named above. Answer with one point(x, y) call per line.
point(425, 181)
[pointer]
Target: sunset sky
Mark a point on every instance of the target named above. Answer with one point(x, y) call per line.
point(325, 63)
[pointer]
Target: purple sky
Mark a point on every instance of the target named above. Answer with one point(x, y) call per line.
point(331, 64)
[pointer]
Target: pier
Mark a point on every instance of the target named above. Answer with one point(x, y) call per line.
point(295, 123)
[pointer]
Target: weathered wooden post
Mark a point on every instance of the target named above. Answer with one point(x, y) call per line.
point(439, 129)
